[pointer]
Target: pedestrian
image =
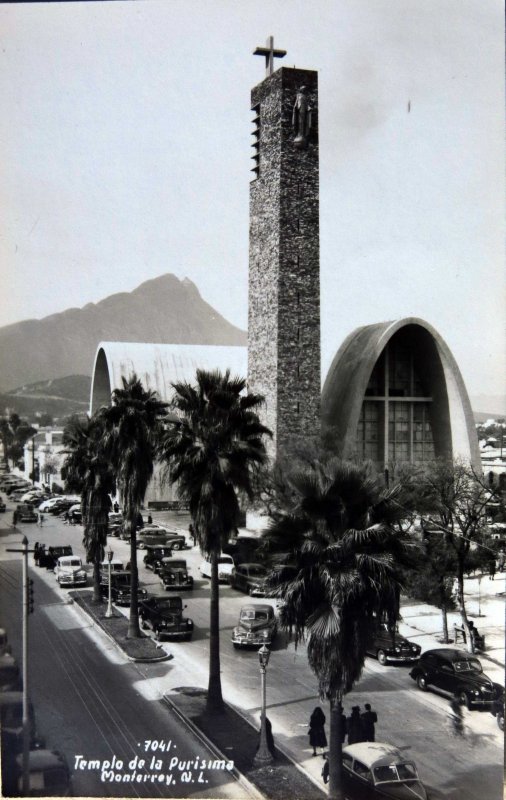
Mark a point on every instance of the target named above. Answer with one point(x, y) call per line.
point(326, 768)
point(14, 518)
point(191, 531)
point(369, 718)
point(500, 561)
point(317, 736)
point(41, 518)
point(150, 519)
point(491, 567)
point(354, 726)
point(66, 518)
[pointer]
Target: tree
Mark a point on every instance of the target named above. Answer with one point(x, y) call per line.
point(14, 433)
point(433, 578)
point(132, 425)
point(211, 446)
point(453, 504)
point(88, 471)
point(334, 554)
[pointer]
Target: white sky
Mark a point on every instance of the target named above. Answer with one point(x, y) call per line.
point(125, 130)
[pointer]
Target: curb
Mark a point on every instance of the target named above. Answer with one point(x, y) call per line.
point(133, 659)
point(240, 778)
point(284, 751)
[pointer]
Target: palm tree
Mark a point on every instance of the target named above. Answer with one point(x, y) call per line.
point(211, 447)
point(88, 471)
point(334, 555)
point(132, 424)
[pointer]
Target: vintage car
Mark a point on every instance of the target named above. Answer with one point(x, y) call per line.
point(75, 513)
point(243, 549)
point(257, 626)
point(154, 555)
point(49, 774)
point(497, 710)
point(374, 769)
point(387, 645)
point(116, 566)
point(26, 513)
point(250, 578)
point(456, 673)
point(158, 535)
point(225, 567)
point(174, 574)
point(164, 615)
point(4, 642)
point(120, 589)
point(48, 558)
point(10, 678)
point(69, 571)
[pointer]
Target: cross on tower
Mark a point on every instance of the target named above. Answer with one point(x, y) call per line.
point(270, 54)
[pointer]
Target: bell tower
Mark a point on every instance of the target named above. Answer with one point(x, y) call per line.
point(284, 253)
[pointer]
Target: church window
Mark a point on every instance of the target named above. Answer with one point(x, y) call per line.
point(256, 142)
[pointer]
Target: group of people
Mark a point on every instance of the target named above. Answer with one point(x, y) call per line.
point(358, 727)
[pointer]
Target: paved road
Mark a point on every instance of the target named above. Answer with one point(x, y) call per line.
point(455, 770)
point(94, 704)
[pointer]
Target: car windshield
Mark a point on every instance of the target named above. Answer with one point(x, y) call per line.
point(225, 560)
point(467, 665)
point(172, 603)
point(395, 772)
point(74, 562)
point(256, 572)
point(176, 564)
point(250, 614)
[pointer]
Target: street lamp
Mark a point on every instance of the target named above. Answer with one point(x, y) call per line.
point(263, 755)
point(109, 612)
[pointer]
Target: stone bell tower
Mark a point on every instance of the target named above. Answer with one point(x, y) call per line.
point(284, 253)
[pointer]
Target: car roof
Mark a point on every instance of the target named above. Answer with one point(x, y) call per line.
point(251, 564)
point(257, 607)
point(64, 559)
point(41, 759)
point(374, 754)
point(450, 654)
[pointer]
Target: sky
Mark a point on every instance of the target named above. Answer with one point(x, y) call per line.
point(126, 132)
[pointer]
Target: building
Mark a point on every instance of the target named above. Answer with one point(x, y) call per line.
point(45, 451)
point(393, 393)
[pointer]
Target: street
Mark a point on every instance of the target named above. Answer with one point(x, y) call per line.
point(90, 701)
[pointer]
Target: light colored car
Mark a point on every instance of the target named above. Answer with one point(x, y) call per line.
point(374, 769)
point(69, 571)
point(47, 504)
point(116, 566)
point(225, 567)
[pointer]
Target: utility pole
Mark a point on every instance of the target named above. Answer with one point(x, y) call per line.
point(27, 604)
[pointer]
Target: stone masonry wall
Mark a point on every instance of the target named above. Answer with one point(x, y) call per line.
point(284, 284)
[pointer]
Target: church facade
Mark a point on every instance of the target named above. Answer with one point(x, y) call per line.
point(394, 392)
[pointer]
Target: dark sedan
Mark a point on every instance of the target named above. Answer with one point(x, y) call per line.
point(387, 645)
point(456, 673)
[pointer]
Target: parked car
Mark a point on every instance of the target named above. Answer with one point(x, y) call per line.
point(158, 535)
point(48, 558)
point(120, 589)
point(243, 549)
point(174, 574)
point(165, 617)
point(46, 505)
point(374, 769)
point(249, 578)
point(49, 774)
point(257, 626)
point(69, 571)
point(497, 710)
point(10, 678)
point(116, 566)
point(457, 673)
point(387, 645)
point(26, 513)
point(225, 567)
point(154, 555)
point(4, 642)
point(75, 513)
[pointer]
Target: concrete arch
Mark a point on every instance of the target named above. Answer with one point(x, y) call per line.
point(158, 366)
point(348, 377)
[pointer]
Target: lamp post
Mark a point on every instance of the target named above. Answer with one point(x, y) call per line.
point(263, 755)
point(109, 612)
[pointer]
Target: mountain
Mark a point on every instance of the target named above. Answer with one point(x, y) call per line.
point(58, 398)
point(164, 309)
point(488, 405)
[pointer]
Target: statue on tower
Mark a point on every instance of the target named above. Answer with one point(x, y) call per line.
point(301, 118)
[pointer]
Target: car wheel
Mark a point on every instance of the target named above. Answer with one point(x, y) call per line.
point(156, 634)
point(500, 720)
point(176, 546)
point(464, 700)
point(141, 545)
point(421, 682)
point(236, 646)
point(382, 657)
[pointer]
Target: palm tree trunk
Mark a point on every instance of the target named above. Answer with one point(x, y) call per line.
point(336, 750)
point(444, 617)
point(134, 630)
point(214, 695)
point(96, 581)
